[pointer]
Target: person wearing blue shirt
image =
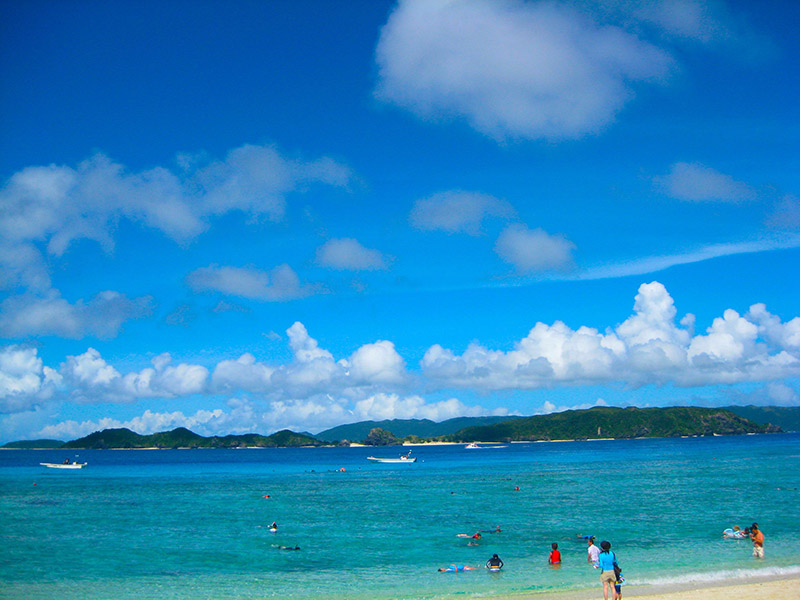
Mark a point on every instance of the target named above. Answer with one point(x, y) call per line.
point(606, 560)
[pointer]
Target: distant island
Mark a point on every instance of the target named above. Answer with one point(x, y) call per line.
point(603, 422)
point(183, 438)
point(595, 423)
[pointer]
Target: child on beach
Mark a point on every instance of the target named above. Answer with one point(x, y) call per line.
point(618, 585)
point(555, 555)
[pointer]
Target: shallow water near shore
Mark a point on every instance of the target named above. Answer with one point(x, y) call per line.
point(195, 524)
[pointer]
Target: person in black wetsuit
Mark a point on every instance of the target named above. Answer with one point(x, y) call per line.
point(495, 562)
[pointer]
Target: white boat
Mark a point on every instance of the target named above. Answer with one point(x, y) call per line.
point(64, 465)
point(404, 458)
point(472, 446)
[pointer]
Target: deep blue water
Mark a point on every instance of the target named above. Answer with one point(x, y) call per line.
point(194, 523)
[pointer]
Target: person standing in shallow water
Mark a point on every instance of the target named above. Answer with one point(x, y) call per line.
point(593, 552)
point(758, 541)
point(608, 576)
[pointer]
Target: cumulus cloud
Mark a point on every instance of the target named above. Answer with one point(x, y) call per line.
point(533, 250)
point(314, 389)
point(392, 406)
point(694, 182)
point(278, 285)
point(348, 254)
point(101, 316)
point(246, 416)
point(458, 211)
point(513, 69)
point(92, 380)
point(24, 380)
point(647, 348)
point(315, 371)
point(244, 373)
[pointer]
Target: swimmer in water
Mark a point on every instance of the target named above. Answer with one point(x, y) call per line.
point(288, 548)
point(455, 569)
point(495, 563)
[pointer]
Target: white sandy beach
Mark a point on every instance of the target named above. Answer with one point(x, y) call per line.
point(782, 589)
point(778, 589)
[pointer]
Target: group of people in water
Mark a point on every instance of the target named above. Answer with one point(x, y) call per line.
point(753, 532)
point(605, 560)
point(601, 558)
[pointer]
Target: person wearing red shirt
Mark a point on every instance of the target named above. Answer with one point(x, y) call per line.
point(555, 555)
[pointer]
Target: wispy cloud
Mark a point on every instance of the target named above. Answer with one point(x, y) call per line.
point(279, 284)
point(654, 264)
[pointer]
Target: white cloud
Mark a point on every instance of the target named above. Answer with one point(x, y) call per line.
point(392, 406)
point(730, 338)
point(458, 211)
point(244, 373)
point(44, 209)
point(279, 284)
point(92, 380)
point(695, 20)
point(377, 363)
point(785, 214)
point(59, 204)
point(24, 380)
point(513, 69)
point(533, 250)
point(349, 254)
point(245, 416)
point(695, 182)
point(149, 422)
point(653, 264)
point(549, 408)
point(102, 316)
point(783, 335)
point(315, 389)
point(647, 348)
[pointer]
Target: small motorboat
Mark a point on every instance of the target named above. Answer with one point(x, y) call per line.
point(472, 446)
point(64, 465)
point(404, 458)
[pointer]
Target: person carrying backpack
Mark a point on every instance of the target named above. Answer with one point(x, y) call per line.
point(606, 563)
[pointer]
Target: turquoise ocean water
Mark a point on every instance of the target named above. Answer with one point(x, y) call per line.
point(192, 524)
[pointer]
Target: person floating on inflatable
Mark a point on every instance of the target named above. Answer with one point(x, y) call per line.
point(735, 533)
point(494, 564)
point(455, 568)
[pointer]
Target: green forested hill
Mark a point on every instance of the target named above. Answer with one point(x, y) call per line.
point(785, 417)
point(183, 438)
point(608, 422)
point(34, 444)
point(401, 428)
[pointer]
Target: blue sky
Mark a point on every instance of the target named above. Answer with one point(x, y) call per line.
point(250, 216)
